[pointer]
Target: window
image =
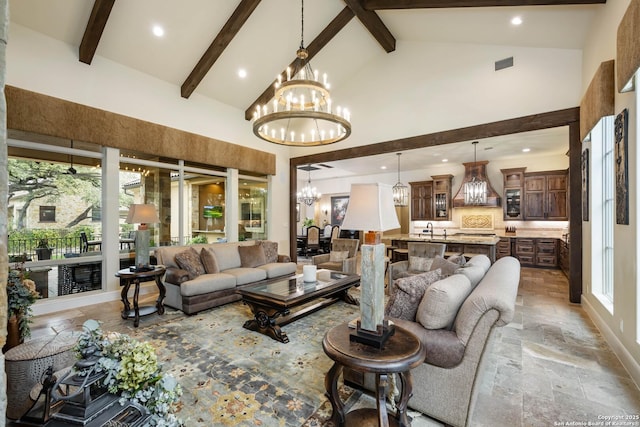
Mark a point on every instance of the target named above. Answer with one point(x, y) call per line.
point(608, 208)
point(47, 214)
point(96, 214)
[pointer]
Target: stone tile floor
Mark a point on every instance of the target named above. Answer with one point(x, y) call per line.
point(549, 367)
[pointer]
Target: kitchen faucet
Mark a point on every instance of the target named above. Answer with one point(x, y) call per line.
point(430, 229)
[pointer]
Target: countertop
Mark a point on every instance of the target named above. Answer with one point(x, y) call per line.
point(477, 239)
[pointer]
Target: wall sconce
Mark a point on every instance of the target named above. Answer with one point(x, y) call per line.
point(325, 210)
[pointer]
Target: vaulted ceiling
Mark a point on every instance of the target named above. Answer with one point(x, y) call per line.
point(205, 42)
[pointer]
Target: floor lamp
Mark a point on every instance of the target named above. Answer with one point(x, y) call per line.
point(142, 214)
point(372, 210)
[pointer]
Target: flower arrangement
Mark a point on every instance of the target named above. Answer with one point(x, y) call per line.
point(132, 371)
point(21, 294)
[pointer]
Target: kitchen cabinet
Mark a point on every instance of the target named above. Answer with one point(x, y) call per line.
point(563, 257)
point(513, 182)
point(503, 247)
point(442, 197)
point(541, 252)
point(526, 251)
point(546, 253)
point(546, 196)
point(421, 200)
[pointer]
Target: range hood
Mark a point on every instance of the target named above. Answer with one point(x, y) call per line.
point(479, 170)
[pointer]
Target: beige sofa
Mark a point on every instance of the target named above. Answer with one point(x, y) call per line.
point(223, 268)
point(445, 386)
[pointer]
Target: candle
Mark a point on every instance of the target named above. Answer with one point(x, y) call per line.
point(309, 273)
point(288, 73)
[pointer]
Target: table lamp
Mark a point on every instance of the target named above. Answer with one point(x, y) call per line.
point(142, 214)
point(371, 209)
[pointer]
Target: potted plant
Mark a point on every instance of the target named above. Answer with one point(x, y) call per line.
point(21, 294)
point(43, 250)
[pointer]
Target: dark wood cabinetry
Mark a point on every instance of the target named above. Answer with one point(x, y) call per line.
point(442, 197)
point(535, 196)
point(421, 200)
point(545, 196)
point(563, 257)
point(513, 180)
point(503, 247)
point(540, 252)
point(431, 200)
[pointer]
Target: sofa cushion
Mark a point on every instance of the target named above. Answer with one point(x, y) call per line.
point(227, 255)
point(277, 269)
point(474, 273)
point(338, 256)
point(209, 261)
point(447, 267)
point(270, 251)
point(417, 263)
point(480, 260)
point(207, 283)
point(442, 300)
point(251, 256)
point(189, 260)
point(247, 275)
point(407, 293)
point(444, 348)
point(458, 259)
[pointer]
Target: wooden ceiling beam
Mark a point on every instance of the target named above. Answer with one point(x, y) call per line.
point(219, 44)
point(95, 27)
point(334, 27)
point(374, 24)
point(428, 4)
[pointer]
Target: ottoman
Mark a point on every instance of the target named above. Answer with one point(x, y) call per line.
point(26, 363)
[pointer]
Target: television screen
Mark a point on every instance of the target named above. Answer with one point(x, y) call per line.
point(212, 211)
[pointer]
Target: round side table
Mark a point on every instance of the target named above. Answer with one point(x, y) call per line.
point(402, 352)
point(128, 277)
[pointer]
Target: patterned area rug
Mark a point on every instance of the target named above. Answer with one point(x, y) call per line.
point(235, 377)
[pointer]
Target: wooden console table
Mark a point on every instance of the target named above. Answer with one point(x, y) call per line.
point(400, 354)
point(128, 277)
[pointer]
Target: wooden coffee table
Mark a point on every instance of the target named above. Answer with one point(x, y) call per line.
point(271, 301)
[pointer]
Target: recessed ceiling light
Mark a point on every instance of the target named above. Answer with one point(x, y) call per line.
point(242, 73)
point(383, 167)
point(516, 20)
point(526, 150)
point(445, 160)
point(158, 31)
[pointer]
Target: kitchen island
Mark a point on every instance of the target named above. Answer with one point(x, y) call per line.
point(458, 243)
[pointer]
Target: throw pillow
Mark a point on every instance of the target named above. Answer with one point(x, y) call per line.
point(338, 256)
point(458, 259)
point(209, 261)
point(252, 256)
point(417, 263)
point(189, 260)
point(474, 273)
point(447, 267)
point(270, 251)
point(407, 293)
point(441, 302)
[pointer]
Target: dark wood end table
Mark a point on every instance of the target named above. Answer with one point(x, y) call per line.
point(402, 352)
point(128, 277)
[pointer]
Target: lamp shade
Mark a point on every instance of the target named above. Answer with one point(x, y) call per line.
point(370, 208)
point(142, 214)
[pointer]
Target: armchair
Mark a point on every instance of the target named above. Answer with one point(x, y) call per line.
point(348, 265)
point(415, 249)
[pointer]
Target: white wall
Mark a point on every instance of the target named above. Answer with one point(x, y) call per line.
point(620, 327)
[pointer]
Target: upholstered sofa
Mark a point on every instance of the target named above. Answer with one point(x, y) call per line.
point(446, 385)
point(202, 276)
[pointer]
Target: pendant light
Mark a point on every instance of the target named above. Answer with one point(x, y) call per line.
point(475, 191)
point(400, 191)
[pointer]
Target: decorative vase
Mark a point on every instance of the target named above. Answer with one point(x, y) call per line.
point(13, 333)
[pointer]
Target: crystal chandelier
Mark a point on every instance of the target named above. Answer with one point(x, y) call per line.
point(475, 191)
point(308, 195)
point(301, 112)
point(400, 191)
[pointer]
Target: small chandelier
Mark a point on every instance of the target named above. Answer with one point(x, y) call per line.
point(308, 195)
point(475, 191)
point(400, 191)
point(302, 112)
